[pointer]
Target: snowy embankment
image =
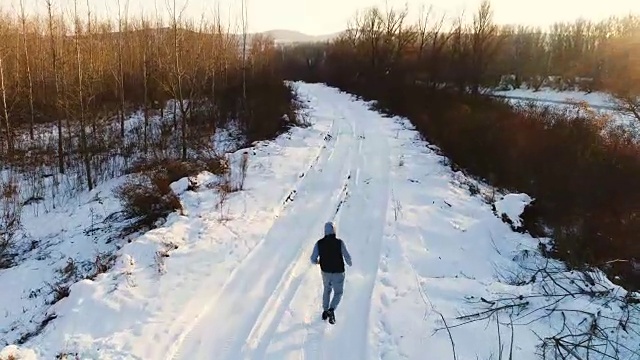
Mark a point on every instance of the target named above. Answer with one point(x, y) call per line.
point(58, 246)
point(434, 263)
point(64, 234)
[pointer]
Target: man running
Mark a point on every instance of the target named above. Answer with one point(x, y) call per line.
point(333, 254)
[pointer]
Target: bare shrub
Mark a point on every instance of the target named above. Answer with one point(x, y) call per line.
point(67, 356)
point(225, 187)
point(59, 291)
point(102, 263)
point(243, 166)
point(595, 331)
point(69, 271)
point(232, 181)
point(10, 219)
point(160, 257)
point(146, 199)
point(174, 169)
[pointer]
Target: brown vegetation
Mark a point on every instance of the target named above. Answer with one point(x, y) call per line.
point(582, 172)
point(10, 213)
point(69, 84)
point(84, 100)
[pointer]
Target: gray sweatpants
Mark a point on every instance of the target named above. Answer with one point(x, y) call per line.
point(335, 282)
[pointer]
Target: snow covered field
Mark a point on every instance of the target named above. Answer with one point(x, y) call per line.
point(599, 102)
point(431, 255)
point(595, 99)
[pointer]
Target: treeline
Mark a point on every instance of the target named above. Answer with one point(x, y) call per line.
point(585, 55)
point(71, 83)
point(581, 170)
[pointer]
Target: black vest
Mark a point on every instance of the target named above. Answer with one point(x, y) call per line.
point(330, 250)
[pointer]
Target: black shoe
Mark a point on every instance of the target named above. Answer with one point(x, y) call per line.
point(332, 316)
point(325, 315)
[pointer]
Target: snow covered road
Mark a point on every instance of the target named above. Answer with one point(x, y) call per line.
point(239, 284)
point(273, 293)
point(360, 219)
point(263, 286)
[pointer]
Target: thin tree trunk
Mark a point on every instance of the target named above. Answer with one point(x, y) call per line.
point(5, 110)
point(121, 72)
point(65, 93)
point(54, 62)
point(23, 19)
point(244, 54)
point(146, 95)
point(18, 79)
point(178, 71)
point(83, 131)
point(91, 62)
point(175, 114)
point(216, 49)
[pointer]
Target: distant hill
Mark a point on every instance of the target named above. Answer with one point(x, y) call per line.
point(291, 36)
point(280, 36)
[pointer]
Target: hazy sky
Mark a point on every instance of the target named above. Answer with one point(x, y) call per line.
point(326, 16)
point(323, 16)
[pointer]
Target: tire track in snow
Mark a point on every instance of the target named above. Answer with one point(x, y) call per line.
point(270, 317)
point(327, 138)
point(282, 305)
point(361, 224)
point(238, 305)
point(311, 346)
point(266, 326)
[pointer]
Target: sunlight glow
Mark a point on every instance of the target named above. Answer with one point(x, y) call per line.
point(315, 17)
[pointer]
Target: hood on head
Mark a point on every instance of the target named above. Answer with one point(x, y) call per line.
point(329, 229)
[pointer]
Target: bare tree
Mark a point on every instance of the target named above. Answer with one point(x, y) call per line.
point(176, 82)
point(623, 80)
point(5, 108)
point(422, 33)
point(627, 100)
point(459, 72)
point(369, 36)
point(483, 43)
point(397, 37)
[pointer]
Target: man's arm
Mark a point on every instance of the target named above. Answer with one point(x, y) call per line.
point(345, 253)
point(315, 254)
